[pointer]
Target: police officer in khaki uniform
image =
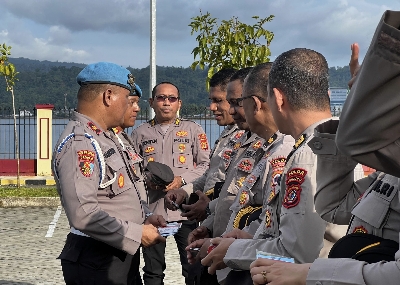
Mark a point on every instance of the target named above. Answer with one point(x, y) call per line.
point(299, 101)
point(368, 129)
point(183, 146)
point(96, 184)
point(215, 174)
point(377, 210)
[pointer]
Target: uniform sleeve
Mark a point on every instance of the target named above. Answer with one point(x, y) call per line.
point(196, 184)
point(201, 153)
point(338, 271)
point(301, 228)
point(369, 131)
point(79, 190)
point(337, 191)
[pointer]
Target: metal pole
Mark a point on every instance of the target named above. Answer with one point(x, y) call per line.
point(153, 52)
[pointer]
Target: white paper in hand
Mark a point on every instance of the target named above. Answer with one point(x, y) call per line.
point(170, 229)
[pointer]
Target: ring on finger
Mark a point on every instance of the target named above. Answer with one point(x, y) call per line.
point(264, 275)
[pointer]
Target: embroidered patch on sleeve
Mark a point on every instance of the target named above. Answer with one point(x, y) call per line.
point(86, 162)
point(203, 141)
point(295, 177)
point(360, 230)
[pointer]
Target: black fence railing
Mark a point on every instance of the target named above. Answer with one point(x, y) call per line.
point(27, 127)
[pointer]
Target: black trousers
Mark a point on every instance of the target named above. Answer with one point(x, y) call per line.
point(239, 277)
point(86, 261)
point(154, 257)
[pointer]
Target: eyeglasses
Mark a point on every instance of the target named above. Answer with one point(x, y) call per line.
point(239, 101)
point(162, 98)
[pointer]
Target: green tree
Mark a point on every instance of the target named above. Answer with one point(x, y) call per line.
point(7, 70)
point(230, 43)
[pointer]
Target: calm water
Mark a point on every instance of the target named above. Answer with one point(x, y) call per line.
point(27, 135)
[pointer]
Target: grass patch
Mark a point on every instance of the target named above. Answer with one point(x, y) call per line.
point(24, 191)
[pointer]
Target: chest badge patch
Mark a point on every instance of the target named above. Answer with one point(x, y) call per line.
point(203, 141)
point(150, 159)
point(237, 145)
point(182, 159)
point(294, 179)
point(149, 149)
point(86, 162)
point(240, 181)
point(121, 181)
point(244, 198)
point(227, 154)
point(181, 147)
point(245, 165)
point(257, 145)
point(181, 134)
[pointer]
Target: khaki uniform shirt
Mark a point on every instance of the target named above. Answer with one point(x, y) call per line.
point(96, 185)
point(136, 163)
point(183, 147)
point(369, 129)
point(239, 166)
point(216, 171)
point(267, 173)
point(290, 227)
point(369, 205)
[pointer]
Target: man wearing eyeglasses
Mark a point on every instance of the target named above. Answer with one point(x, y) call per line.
point(183, 146)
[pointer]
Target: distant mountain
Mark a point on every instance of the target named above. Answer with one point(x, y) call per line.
point(42, 82)
point(25, 64)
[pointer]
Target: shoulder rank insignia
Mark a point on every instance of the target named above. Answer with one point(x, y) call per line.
point(295, 177)
point(94, 128)
point(245, 165)
point(299, 141)
point(181, 147)
point(267, 219)
point(182, 159)
point(181, 134)
point(360, 230)
point(86, 159)
point(149, 149)
point(121, 181)
point(203, 141)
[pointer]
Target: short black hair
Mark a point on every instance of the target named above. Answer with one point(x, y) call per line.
point(153, 92)
point(241, 74)
point(302, 75)
point(257, 79)
point(222, 77)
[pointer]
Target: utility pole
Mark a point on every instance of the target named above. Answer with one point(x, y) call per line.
point(65, 103)
point(152, 52)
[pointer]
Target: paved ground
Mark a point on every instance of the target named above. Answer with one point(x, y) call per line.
point(31, 239)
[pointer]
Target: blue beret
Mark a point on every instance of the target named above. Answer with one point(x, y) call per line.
point(107, 73)
point(137, 91)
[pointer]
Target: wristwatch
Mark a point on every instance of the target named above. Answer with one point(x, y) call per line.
point(183, 181)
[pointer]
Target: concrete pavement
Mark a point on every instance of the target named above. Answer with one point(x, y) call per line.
point(31, 239)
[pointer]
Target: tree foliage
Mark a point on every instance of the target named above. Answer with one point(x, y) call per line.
point(230, 43)
point(7, 69)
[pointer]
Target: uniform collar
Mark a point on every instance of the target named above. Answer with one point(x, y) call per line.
point(229, 130)
point(154, 122)
point(89, 124)
point(308, 132)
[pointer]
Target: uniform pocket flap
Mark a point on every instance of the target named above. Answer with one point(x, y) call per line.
point(373, 217)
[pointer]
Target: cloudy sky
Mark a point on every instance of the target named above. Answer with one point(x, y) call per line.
point(86, 31)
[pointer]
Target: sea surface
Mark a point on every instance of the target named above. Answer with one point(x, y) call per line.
point(26, 129)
